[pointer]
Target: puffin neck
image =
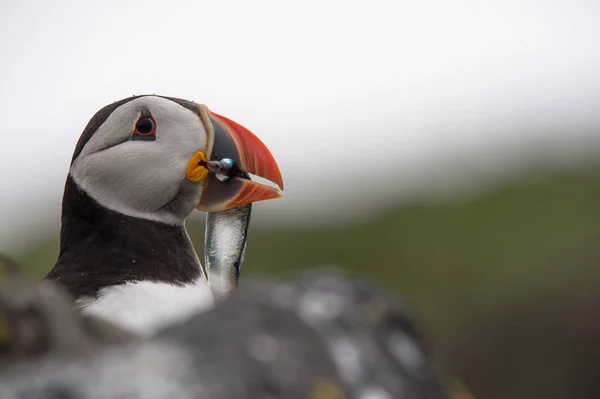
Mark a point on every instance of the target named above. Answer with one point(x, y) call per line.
point(100, 248)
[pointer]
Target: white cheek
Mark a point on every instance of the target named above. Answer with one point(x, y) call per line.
point(116, 129)
point(138, 178)
point(135, 175)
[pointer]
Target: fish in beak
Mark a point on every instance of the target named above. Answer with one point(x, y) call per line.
point(228, 140)
point(233, 154)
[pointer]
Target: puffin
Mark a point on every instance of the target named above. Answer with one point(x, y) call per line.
point(141, 166)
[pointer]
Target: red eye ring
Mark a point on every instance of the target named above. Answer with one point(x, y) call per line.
point(145, 125)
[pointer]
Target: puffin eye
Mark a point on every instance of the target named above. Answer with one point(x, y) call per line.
point(145, 127)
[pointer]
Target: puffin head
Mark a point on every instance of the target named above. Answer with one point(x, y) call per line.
point(149, 157)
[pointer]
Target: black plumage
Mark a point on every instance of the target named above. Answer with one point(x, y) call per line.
point(100, 247)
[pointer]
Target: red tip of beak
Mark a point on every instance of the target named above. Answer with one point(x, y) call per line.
point(254, 155)
point(253, 192)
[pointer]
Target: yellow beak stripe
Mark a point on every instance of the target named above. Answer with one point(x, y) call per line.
point(197, 167)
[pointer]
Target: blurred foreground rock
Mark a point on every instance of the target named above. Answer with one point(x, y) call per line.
point(316, 336)
point(37, 319)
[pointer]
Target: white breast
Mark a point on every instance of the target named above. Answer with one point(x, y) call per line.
point(143, 307)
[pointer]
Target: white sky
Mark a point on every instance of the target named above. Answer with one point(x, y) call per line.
point(330, 86)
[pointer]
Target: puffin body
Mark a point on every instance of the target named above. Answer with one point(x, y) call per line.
point(139, 169)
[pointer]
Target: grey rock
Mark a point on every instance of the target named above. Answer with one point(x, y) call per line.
point(371, 337)
point(318, 336)
point(39, 318)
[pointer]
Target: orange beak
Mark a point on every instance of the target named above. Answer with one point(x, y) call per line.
point(228, 139)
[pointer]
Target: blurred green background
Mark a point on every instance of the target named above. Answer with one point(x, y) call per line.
point(504, 281)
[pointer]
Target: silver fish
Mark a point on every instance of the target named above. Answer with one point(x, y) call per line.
point(224, 248)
